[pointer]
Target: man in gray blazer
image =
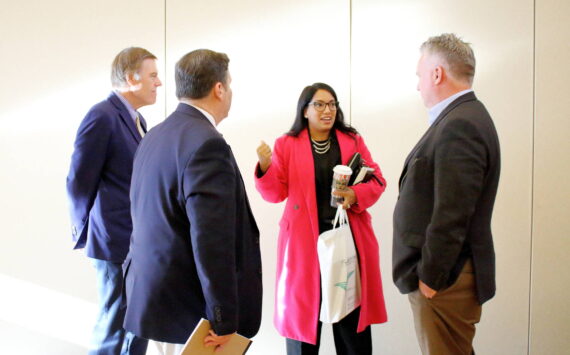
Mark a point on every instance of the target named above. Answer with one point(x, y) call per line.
point(443, 255)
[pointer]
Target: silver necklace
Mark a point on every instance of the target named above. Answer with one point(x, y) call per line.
point(321, 147)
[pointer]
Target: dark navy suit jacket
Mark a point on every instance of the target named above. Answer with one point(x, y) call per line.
point(444, 209)
point(99, 180)
point(195, 246)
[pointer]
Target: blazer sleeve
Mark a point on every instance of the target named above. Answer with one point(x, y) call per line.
point(369, 192)
point(87, 162)
point(209, 182)
point(459, 168)
point(273, 185)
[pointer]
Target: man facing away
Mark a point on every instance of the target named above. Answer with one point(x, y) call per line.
point(98, 186)
point(195, 246)
point(443, 255)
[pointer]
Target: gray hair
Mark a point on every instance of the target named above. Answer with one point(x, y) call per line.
point(457, 54)
point(128, 61)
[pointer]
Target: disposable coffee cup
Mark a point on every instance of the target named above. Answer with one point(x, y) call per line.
point(341, 175)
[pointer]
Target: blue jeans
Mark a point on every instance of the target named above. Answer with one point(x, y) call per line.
point(109, 337)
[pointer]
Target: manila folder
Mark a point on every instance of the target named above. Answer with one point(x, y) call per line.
point(237, 345)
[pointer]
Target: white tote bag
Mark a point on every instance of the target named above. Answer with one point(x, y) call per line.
point(340, 274)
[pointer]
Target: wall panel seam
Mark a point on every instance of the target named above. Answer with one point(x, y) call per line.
point(165, 61)
point(350, 61)
point(529, 339)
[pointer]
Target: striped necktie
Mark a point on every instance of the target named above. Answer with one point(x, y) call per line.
point(139, 126)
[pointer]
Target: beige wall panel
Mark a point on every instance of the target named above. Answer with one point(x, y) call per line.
point(550, 303)
point(389, 112)
point(56, 57)
point(275, 50)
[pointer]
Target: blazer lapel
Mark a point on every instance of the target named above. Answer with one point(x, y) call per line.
point(461, 99)
point(125, 116)
point(305, 169)
point(413, 152)
point(347, 146)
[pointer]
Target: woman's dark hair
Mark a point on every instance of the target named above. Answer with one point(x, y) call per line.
point(305, 98)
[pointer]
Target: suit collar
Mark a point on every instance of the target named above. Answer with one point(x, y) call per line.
point(132, 112)
point(470, 96)
point(438, 108)
point(182, 107)
point(126, 117)
point(189, 110)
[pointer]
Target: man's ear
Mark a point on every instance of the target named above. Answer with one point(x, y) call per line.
point(219, 90)
point(438, 74)
point(132, 78)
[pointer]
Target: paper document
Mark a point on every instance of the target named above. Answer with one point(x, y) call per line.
point(364, 175)
point(237, 345)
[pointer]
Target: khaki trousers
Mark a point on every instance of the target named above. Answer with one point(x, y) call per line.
point(445, 324)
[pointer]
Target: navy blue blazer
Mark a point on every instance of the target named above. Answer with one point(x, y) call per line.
point(99, 180)
point(195, 246)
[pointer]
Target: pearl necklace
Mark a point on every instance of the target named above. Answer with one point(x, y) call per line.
point(321, 147)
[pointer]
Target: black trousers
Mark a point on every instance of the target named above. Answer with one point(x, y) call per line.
point(346, 340)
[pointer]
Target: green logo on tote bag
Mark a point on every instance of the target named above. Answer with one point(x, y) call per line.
point(344, 284)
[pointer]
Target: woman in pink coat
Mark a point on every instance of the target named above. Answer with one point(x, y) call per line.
point(300, 170)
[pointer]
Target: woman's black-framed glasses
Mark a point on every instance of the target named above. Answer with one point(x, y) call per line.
point(320, 106)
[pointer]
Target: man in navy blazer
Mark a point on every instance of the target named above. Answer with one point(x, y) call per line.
point(98, 186)
point(443, 254)
point(195, 246)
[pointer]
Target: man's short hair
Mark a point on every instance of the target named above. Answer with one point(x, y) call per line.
point(127, 62)
point(457, 54)
point(197, 72)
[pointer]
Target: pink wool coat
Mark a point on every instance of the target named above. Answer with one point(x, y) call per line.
point(291, 176)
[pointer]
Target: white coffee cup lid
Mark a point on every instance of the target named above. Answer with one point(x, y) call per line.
point(343, 170)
